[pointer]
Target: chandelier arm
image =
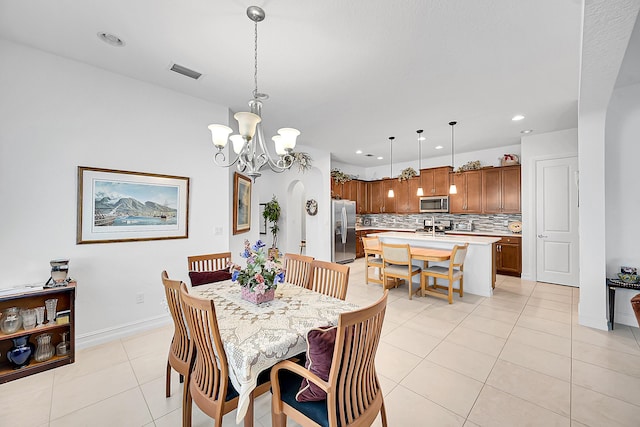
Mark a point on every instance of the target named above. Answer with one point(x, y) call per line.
point(275, 166)
point(224, 159)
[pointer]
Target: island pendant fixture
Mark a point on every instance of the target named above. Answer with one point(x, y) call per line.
point(249, 146)
point(420, 193)
point(452, 188)
point(391, 138)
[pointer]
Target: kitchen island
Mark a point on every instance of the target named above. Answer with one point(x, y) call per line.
point(479, 264)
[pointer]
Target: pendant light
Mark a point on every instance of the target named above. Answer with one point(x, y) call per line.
point(452, 188)
point(391, 138)
point(420, 193)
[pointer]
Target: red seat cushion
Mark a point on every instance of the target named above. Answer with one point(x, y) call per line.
point(204, 277)
point(320, 344)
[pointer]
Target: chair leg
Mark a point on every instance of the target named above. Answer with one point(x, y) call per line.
point(450, 291)
point(248, 417)
point(187, 406)
point(383, 414)
point(461, 292)
point(168, 381)
point(410, 284)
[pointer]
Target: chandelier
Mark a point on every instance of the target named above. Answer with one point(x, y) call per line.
point(249, 145)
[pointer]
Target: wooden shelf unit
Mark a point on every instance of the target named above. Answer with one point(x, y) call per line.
point(24, 299)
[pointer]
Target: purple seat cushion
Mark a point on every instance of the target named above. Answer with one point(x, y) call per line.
point(204, 277)
point(320, 344)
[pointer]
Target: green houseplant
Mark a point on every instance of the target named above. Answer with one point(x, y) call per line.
point(272, 214)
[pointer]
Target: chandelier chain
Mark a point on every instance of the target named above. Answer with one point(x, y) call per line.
point(255, 59)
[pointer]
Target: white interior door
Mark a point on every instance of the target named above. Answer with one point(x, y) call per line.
point(557, 221)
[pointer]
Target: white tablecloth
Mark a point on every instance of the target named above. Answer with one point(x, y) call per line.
point(256, 337)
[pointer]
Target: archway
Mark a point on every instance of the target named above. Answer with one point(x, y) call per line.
point(295, 218)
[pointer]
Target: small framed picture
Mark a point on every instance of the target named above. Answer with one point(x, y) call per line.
point(241, 204)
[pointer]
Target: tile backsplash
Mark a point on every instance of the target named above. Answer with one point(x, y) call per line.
point(487, 223)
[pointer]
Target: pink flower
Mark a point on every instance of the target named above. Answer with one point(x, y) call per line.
point(259, 278)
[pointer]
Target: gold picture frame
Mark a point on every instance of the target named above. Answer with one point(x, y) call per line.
point(241, 203)
point(125, 206)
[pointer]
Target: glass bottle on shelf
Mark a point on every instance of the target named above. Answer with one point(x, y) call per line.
point(62, 349)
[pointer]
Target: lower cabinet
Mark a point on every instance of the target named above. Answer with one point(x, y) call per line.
point(24, 344)
point(509, 256)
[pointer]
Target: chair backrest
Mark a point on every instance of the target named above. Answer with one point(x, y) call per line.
point(329, 278)
point(209, 262)
point(181, 348)
point(297, 269)
point(458, 255)
point(209, 378)
point(396, 254)
point(370, 243)
point(353, 380)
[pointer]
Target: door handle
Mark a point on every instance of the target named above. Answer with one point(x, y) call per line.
point(542, 236)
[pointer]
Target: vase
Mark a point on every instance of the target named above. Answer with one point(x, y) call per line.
point(45, 350)
point(11, 320)
point(257, 298)
point(20, 354)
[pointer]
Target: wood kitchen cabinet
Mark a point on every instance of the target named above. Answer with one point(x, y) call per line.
point(388, 203)
point(509, 256)
point(359, 194)
point(435, 181)
point(405, 193)
point(31, 299)
point(375, 197)
point(501, 190)
point(469, 197)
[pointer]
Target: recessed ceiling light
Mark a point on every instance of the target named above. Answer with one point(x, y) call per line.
point(517, 117)
point(380, 157)
point(111, 39)
point(526, 131)
point(358, 151)
point(439, 147)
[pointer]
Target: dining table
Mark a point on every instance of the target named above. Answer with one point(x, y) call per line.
point(257, 336)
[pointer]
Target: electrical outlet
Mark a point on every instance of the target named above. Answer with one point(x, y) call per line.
point(139, 298)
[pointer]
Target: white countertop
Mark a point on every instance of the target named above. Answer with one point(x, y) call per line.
point(370, 228)
point(485, 233)
point(423, 237)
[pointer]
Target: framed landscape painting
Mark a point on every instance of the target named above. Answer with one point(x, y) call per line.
point(123, 206)
point(241, 204)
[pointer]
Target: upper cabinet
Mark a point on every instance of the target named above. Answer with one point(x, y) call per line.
point(405, 194)
point(501, 190)
point(469, 192)
point(435, 181)
point(388, 203)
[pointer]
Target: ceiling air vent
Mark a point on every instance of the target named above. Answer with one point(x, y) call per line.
point(185, 71)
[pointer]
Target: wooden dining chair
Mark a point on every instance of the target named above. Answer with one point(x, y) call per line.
point(371, 247)
point(181, 353)
point(329, 278)
point(209, 262)
point(398, 264)
point(354, 396)
point(209, 385)
point(452, 274)
point(297, 269)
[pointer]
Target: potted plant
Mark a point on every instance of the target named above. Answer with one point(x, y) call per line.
point(272, 214)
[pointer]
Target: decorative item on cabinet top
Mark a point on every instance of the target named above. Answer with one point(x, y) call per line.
point(509, 160)
point(407, 173)
point(470, 166)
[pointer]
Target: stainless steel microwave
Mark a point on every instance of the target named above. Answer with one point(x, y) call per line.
point(434, 204)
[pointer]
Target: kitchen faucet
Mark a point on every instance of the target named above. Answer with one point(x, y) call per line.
point(433, 226)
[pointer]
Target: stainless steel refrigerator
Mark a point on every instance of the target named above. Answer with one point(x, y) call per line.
point(343, 218)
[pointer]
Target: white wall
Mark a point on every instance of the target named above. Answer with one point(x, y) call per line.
point(544, 146)
point(59, 114)
point(622, 198)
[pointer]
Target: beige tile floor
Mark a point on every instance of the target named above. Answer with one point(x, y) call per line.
point(518, 358)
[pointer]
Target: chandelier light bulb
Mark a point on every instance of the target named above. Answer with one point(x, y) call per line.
point(279, 143)
point(247, 123)
point(237, 141)
point(219, 135)
point(289, 136)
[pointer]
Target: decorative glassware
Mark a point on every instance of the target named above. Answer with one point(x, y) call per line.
point(51, 309)
point(11, 320)
point(39, 315)
point(45, 350)
point(28, 318)
point(20, 354)
point(63, 348)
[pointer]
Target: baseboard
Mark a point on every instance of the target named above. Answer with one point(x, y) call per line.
point(102, 336)
point(593, 322)
point(626, 319)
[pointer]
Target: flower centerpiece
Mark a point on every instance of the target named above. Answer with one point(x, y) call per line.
point(260, 277)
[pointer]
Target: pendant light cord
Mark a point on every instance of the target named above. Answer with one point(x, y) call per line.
point(452, 124)
point(391, 138)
